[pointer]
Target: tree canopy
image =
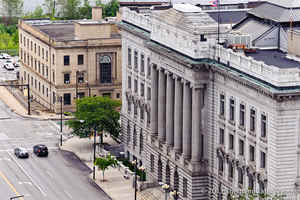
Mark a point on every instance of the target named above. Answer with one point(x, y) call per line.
point(110, 9)
point(104, 162)
point(96, 113)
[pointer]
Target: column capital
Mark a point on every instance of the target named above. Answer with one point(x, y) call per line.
point(176, 77)
point(197, 86)
point(168, 73)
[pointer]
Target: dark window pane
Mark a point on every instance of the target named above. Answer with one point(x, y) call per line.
point(67, 99)
point(80, 60)
point(66, 60)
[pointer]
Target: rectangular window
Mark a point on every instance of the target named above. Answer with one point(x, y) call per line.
point(53, 59)
point(129, 82)
point(222, 105)
point(134, 109)
point(46, 92)
point(242, 115)
point(106, 95)
point(46, 55)
point(43, 53)
point(67, 99)
point(43, 89)
point(136, 59)
point(80, 77)
point(66, 60)
point(142, 113)
point(142, 89)
point(231, 110)
point(135, 86)
point(231, 141)
point(39, 67)
point(31, 46)
point(149, 93)
point(221, 166)
point(221, 141)
point(240, 176)
point(66, 78)
point(149, 67)
point(35, 83)
point(34, 48)
point(43, 70)
point(54, 97)
point(251, 153)
point(241, 147)
point(47, 71)
point(53, 76)
point(31, 81)
point(142, 63)
point(39, 86)
point(129, 57)
point(262, 160)
point(184, 187)
point(35, 64)
point(252, 120)
point(39, 51)
point(230, 170)
point(263, 125)
point(152, 163)
point(80, 95)
point(80, 60)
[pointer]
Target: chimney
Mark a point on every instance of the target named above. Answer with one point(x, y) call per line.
point(97, 13)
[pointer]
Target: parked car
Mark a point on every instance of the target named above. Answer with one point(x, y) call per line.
point(16, 64)
point(8, 64)
point(5, 56)
point(40, 150)
point(21, 152)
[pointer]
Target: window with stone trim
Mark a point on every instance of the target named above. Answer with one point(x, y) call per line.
point(80, 59)
point(263, 126)
point(39, 86)
point(39, 67)
point(220, 166)
point(250, 182)
point(142, 113)
point(43, 89)
point(129, 57)
point(184, 187)
point(242, 115)
point(67, 99)
point(129, 107)
point(222, 105)
point(142, 63)
point(241, 147)
point(129, 82)
point(39, 51)
point(66, 60)
point(148, 67)
point(221, 136)
point(105, 69)
point(128, 133)
point(142, 89)
point(151, 162)
point(262, 160)
point(135, 109)
point(136, 60)
point(251, 153)
point(141, 140)
point(135, 86)
point(149, 93)
point(231, 142)
point(231, 109)
point(35, 83)
point(240, 176)
point(47, 55)
point(66, 78)
point(230, 171)
point(148, 117)
point(252, 119)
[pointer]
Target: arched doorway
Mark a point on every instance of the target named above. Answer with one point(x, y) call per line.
point(105, 69)
point(168, 174)
point(176, 180)
point(159, 171)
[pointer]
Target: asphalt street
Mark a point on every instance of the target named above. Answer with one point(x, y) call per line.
point(60, 176)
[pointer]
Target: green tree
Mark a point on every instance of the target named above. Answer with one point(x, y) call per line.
point(12, 8)
point(70, 9)
point(50, 7)
point(104, 163)
point(110, 9)
point(96, 113)
point(36, 14)
point(85, 11)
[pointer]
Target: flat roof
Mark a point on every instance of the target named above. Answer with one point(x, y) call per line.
point(275, 58)
point(58, 31)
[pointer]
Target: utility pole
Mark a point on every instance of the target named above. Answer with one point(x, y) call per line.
point(94, 167)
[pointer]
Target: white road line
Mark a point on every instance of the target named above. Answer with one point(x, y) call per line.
point(28, 149)
point(27, 174)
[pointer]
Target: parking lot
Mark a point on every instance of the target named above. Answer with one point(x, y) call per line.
point(8, 74)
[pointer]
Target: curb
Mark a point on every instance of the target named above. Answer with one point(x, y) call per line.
point(96, 185)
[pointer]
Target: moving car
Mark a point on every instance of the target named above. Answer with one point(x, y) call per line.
point(5, 56)
point(8, 64)
point(40, 150)
point(21, 152)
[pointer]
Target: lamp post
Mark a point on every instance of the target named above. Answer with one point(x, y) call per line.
point(165, 187)
point(61, 119)
point(89, 89)
point(135, 180)
point(76, 85)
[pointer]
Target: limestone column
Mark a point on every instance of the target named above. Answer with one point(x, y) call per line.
point(162, 106)
point(154, 99)
point(187, 120)
point(178, 115)
point(197, 144)
point(170, 110)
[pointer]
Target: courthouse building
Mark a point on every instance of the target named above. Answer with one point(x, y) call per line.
point(70, 59)
point(207, 119)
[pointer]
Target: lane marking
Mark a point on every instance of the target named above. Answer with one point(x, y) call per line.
point(10, 185)
point(27, 174)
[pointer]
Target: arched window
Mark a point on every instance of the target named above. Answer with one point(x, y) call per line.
point(105, 69)
point(176, 181)
point(168, 174)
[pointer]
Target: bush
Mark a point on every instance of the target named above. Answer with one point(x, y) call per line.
point(140, 173)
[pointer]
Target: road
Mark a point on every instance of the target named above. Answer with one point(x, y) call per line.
point(6, 74)
point(60, 176)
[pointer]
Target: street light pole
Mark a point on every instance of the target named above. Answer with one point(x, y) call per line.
point(61, 116)
point(94, 167)
point(76, 90)
point(135, 169)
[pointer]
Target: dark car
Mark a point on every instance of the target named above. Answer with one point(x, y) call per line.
point(40, 150)
point(21, 152)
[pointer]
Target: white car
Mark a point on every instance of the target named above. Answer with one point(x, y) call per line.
point(8, 64)
point(5, 56)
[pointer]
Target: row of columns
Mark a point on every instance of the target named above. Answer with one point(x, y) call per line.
point(176, 113)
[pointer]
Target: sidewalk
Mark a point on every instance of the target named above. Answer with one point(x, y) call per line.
point(115, 185)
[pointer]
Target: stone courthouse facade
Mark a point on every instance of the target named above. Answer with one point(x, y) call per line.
point(70, 59)
point(203, 118)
